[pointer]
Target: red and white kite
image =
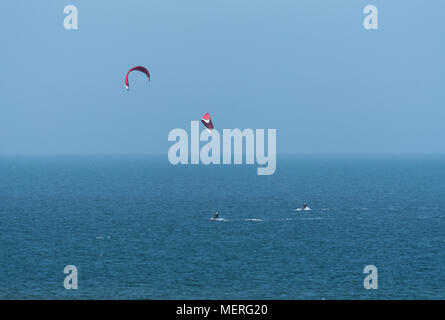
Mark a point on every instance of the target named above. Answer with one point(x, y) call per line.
point(139, 68)
point(207, 122)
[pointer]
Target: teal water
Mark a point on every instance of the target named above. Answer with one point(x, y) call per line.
point(138, 228)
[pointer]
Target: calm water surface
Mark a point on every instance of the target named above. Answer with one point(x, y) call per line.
point(138, 228)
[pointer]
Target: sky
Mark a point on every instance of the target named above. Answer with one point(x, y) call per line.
point(307, 68)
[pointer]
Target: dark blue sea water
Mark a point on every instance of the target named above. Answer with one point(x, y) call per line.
point(138, 227)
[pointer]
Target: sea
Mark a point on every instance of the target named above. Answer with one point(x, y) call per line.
point(137, 227)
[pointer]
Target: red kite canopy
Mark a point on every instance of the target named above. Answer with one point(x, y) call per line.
point(207, 122)
point(141, 69)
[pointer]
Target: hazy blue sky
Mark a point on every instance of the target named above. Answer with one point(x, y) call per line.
point(307, 68)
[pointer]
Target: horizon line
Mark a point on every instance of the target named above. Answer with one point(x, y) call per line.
point(111, 154)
